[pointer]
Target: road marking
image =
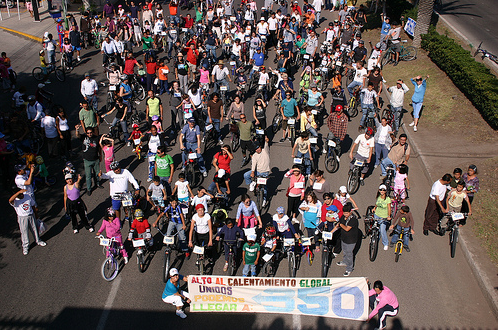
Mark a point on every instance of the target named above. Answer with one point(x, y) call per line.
point(108, 304)
point(296, 322)
point(23, 34)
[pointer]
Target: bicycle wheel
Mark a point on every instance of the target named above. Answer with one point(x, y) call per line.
point(189, 173)
point(353, 182)
point(231, 265)
point(387, 113)
point(310, 257)
point(353, 107)
point(325, 262)
point(385, 59)
point(35, 145)
point(141, 262)
point(234, 142)
point(166, 265)
point(259, 198)
point(408, 53)
point(140, 92)
point(331, 162)
point(60, 75)
point(142, 199)
point(110, 269)
point(292, 264)
point(292, 136)
point(201, 267)
point(397, 251)
point(275, 124)
point(373, 247)
point(268, 268)
point(38, 74)
point(453, 241)
point(109, 102)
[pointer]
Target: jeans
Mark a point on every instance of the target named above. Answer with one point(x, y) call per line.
point(366, 108)
point(397, 112)
point(25, 222)
point(381, 152)
point(92, 101)
point(384, 164)
point(218, 83)
point(384, 224)
point(150, 82)
point(306, 161)
point(317, 15)
point(170, 48)
point(348, 255)
point(166, 185)
point(247, 178)
point(163, 87)
point(181, 233)
point(417, 107)
point(235, 58)
point(245, 270)
point(352, 86)
point(211, 51)
point(92, 167)
point(174, 18)
point(406, 235)
point(124, 127)
point(51, 56)
point(200, 159)
point(216, 124)
point(152, 163)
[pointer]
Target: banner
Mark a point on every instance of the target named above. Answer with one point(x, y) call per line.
point(410, 26)
point(345, 298)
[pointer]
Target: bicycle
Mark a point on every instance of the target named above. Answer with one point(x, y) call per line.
point(332, 153)
point(354, 174)
point(232, 258)
point(138, 148)
point(171, 243)
point(485, 53)
point(113, 129)
point(65, 63)
point(291, 123)
point(40, 75)
point(407, 53)
point(372, 229)
point(327, 254)
point(110, 266)
point(270, 258)
point(397, 200)
point(389, 180)
point(370, 121)
point(223, 93)
point(142, 245)
point(192, 174)
point(354, 103)
point(304, 163)
point(398, 248)
point(199, 250)
point(234, 136)
point(305, 242)
point(259, 192)
point(455, 220)
point(293, 257)
point(389, 115)
point(210, 137)
point(131, 201)
point(276, 122)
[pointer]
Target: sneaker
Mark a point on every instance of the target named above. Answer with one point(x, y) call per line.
point(75, 231)
point(391, 244)
point(89, 193)
point(264, 202)
point(149, 179)
point(395, 63)
point(126, 260)
point(220, 142)
point(426, 232)
point(25, 252)
point(91, 230)
point(362, 182)
point(79, 58)
point(375, 166)
point(181, 313)
point(335, 254)
point(324, 151)
point(42, 243)
point(412, 124)
point(225, 268)
point(415, 128)
point(386, 247)
point(341, 263)
point(204, 174)
point(128, 144)
point(252, 186)
point(346, 273)
point(407, 249)
point(282, 140)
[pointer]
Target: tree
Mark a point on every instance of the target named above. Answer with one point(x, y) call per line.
point(424, 16)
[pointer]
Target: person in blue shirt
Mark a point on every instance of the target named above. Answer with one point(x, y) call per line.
point(288, 109)
point(192, 134)
point(258, 59)
point(230, 233)
point(418, 98)
point(386, 26)
point(172, 293)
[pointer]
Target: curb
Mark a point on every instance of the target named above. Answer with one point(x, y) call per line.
point(32, 37)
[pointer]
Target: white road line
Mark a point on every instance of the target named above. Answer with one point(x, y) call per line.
point(296, 322)
point(108, 304)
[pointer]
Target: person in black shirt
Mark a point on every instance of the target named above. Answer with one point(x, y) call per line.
point(360, 52)
point(92, 156)
point(348, 224)
point(134, 9)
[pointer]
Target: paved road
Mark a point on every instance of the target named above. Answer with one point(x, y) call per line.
point(60, 286)
point(475, 20)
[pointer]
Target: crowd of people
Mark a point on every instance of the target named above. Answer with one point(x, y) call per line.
point(147, 45)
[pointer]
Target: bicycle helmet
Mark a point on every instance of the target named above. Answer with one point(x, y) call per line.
point(114, 165)
point(280, 210)
point(283, 70)
point(369, 131)
point(110, 213)
point(134, 126)
point(39, 160)
point(155, 117)
point(270, 231)
point(139, 214)
point(123, 77)
point(262, 68)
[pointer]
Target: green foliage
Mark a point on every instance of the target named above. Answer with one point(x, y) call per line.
point(471, 77)
point(411, 13)
point(394, 10)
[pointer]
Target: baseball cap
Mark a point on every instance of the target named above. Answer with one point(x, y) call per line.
point(19, 167)
point(338, 108)
point(199, 206)
point(221, 172)
point(251, 237)
point(173, 272)
point(259, 48)
point(382, 186)
point(361, 42)
point(332, 208)
point(280, 210)
point(87, 74)
point(191, 120)
point(41, 85)
point(68, 176)
point(343, 189)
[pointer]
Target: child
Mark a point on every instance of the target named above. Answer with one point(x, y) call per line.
point(457, 177)
point(107, 146)
point(186, 108)
point(147, 26)
point(399, 182)
point(142, 227)
point(176, 220)
point(68, 50)
point(203, 197)
point(311, 210)
point(230, 233)
point(157, 123)
point(135, 136)
point(44, 66)
point(402, 221)
point(156, 194)
point(250, 256)
point(41, 170)
point(269, 239)
point(283, 224)
point(183, 188)
point(344, 197)
point(456, 197)
point(204, 79)
point(112, 226)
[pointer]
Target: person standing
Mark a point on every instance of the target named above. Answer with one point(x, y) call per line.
point(27, 213)
point(89, 90)
point(73, 204)
point(49, 127)
point(250, 256)
point(164, 169)
point(215, 111)
point(435, 205)
point(64, 132)
point(348, 224)
point(418, 98)
point(397, 97)
point(192, 134)
point(92, 156)
point(24, 179)
point(245, 132)
point(472, 186)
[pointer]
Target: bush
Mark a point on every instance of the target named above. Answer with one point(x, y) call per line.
point(394, 10)
point(411, 13)
point(471, 77)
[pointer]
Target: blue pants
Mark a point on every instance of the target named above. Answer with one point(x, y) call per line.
point(384, 164)
point(306, 161)
point(381, 152)
point(124, 128)
point(166, 185)
point(152, 163)
point(417, 107)
point(200, 159)
point(365, 108)
point(218, 83)
point(397, 111)
point(245, 270)
point(352, 86)
point(216, 124)
point(163, 87)
point(181, 233)
point(211, 51)
point(384, 224)
point(406, 235)
point(247, 178)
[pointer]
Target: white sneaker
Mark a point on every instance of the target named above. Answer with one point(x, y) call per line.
point(79, 59)
point(294, 220)
point(324, 151)
point(25, 252)
point(386, 247)
point(126, 260)
point(412, 124)
point(220, 142)
point(42, 243)
point(181, 313)
point(91, 230)
point(149, 179)
point(204, 174)
point(264, 202)
point(415, 128)
point(252, 186)
point(75, 231)
point(128, 144)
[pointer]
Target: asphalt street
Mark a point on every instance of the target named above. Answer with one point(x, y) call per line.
point(60, 286)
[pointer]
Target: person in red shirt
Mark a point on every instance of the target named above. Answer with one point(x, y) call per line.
point(295, 6)
point(223, 158)
point(141, 226)
point(151, 66)
point(329, 200)
point(189, 23)
point(130, 63)
point(192, 55)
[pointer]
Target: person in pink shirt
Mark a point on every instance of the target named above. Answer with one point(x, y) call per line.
point(112, 227)
point(204, 79)
point(295, 192)
point(383, 303)
point(107, 146)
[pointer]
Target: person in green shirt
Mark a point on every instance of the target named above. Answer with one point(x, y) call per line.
point(148, 44)
point(245, 132)
point(288, 109)
point(164, 169)
point(250, 256)
point(199, 16)
point(299, 44)
point(382, 213)
point(88, 118)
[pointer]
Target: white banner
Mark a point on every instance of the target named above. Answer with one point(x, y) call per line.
point(410, 26)
point(345, 298)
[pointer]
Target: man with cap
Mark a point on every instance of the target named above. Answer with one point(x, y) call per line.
point(192, 134)
point(92, 156)
point(250, 256)
point(172, 293)
point(219, 75)
point(366, 145)
point(27, 213)
point(397, 98)
point(34, 109)
point(258, 60)
point(260, 167)
point(24, 179)
point(89, 90)
point(338, 122)
point(360, 52)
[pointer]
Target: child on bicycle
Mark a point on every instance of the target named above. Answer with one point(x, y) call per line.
point(173, 212)
point(157, 123)
point(283, 224)
point(107, 146)
point(112, 226)
point(269, 238)
point(311, 211)
point(344, 197)
point(332, 218)
point(202, 197)
point(455, 199)
point(156, 194)
point(136, 136)
point(402, 221)
point(187, 107)
point(399, 182)
point(230, 233)
point(141, 226)
point(183, 188)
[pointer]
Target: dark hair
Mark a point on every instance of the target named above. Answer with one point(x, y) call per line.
point(200, 188)
point(347, 208)
point(227, 147)
point(181, 176)
point(446, 177)
point(461, 183)
point(156, 179)
point(402, 136)
point(327, 195)
point(378, 285)
point(305, 134)
point(405, 208)
point(370, 83)
point(457, 170)
point(318, 173)
point(313, 196)
point(161, 148)
point(244, 197)
point(403, 169)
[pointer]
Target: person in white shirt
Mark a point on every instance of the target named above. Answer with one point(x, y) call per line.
point(359, 78)
point(24, 179)
point(34, 110)
point(118, 183)
point(201, 224)
point(435, 204)
point(273, 28)
point(369, 97)
point(236, 52)
point(89, 90)
point(202, 197)
point(317, 4)
point(120, 47)
point(374, 58)
point(262, 27)
point(49, 126)
point(27, 213)
point(397, 97)
point(220, 74)
point(383, 140)
point(263, 82)
point(366, 144)
point(395, 36)
point(108, 49)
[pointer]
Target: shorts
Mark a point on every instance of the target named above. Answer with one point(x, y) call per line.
point(396, 47)
point(76, 48)
point(245, 145)
point(284, 124)
point(183, 199)
point(192, 67)
point(116, 204)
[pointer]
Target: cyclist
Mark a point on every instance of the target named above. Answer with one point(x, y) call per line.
point(283, 224)
point(219, 75)
point(303, 146)
point(118, 183)
point(248, 214)
point(221, 183)
point(156, 193)
point(246, 129)
point(34, 109)
point(108, 50)
point(202, 226)
point(176, 221)
point(202, 197)
point(112, 226)
point(311, 210)
point(260, 167)
point(456, 197)
point(142, 227)
point(332, 218)
point(359, 78)
point(307, 122)
point(288, 109)
point(192, 134)
point(172, 293)
point(366, 145)
point(368, 97)
point(382, 213)
point(230, 233)
point(402, 221)
point(269, 238)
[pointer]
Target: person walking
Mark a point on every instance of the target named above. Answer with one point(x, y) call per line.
point(92, 156)
point(73, 204)
point(348, 224)
point(418, 98)
point(89, 90)
point(435, 204)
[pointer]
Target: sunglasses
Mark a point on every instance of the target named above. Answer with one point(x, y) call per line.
point(382, 190)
